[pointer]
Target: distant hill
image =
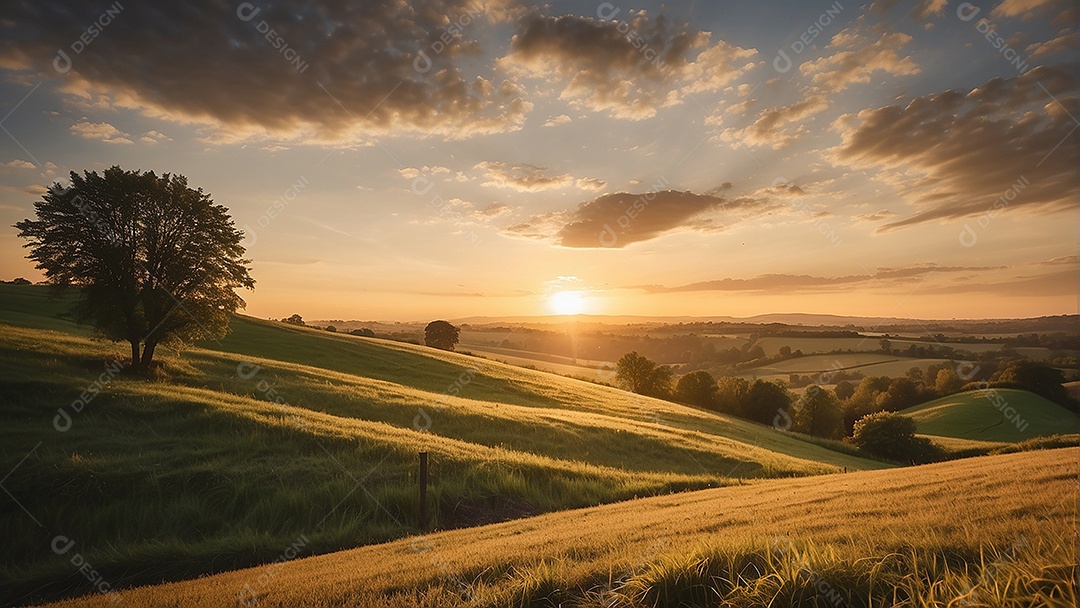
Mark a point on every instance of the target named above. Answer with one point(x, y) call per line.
point(1002, 415)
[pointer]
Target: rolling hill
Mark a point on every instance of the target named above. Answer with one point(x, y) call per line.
point(880, 538)
point(239, 447)
point(996, 415)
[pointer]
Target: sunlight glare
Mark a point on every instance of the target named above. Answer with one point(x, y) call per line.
point(567, 303)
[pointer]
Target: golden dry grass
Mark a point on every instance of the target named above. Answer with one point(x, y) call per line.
point(1019, 509)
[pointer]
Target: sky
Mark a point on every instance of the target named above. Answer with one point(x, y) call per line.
point(400, 160)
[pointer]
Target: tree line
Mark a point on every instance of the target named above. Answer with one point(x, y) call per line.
point(846, 408)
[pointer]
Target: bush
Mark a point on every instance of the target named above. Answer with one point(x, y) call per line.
point(892, 436)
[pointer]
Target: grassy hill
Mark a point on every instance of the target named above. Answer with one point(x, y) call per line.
point(242, 446)
point(996, 415)
point(875, 538)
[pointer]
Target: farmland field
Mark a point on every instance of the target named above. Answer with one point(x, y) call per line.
point(1002, 415)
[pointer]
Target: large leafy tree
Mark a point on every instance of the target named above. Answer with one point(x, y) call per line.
point(153, 260)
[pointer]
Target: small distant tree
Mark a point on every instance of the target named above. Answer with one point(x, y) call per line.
point(916, 373)
point(892, 436)
point(763, 400)
point(643, 376)
point(730, 393)
point(20, 281)
point(697, 388)
point(902, 393)
point(441, 335)
point(844, 390)
point(785, 351)
point(331, 328)
point(363, 331)
point(947, 382)
point(817, 413)
point(294, 320)
point(885, 345)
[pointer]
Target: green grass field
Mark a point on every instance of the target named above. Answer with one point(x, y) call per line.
point(993, 415)
point(241, 446)
point(989, 531)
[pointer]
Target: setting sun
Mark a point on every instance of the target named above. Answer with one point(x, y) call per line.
point(567, 303)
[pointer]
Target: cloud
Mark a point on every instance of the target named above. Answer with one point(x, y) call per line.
point(922, 9)
point(412, 172)
point(35, 190)
point(156, 137)
point(530, 178)
point(619, 219)
point(1004, 145)
point(1065, 43)
point(857, 55)
point(876, 216)
point(555, 121)
point(771, 126)
point(1014, 8)
point(590, 183)
point(20, 164)
point(100, 131)
point(329, 72)
point(792, 283)
point(629, 67)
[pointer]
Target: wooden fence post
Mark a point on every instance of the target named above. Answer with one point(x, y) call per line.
point(423, 492)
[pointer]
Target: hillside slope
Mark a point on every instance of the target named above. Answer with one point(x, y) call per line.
point(1007, 541)
point(277, 432)
point(1002, 415)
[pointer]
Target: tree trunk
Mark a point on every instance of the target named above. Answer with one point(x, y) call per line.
point(147, 355)
point(134, 353)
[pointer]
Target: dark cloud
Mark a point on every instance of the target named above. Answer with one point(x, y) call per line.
point(921, 10)
point(1010, 144)
point(627, 66)
point(619, 219)
point(329, 70)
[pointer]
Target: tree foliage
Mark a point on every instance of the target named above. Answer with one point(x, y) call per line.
point(1037, 378)
point(764, 400)
point(730, 393)
point(643, 376)
point(441, 334)
point(154, 261)
point(892, 436)
point(817, 413)
point(697, 388)
point(294, 319)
